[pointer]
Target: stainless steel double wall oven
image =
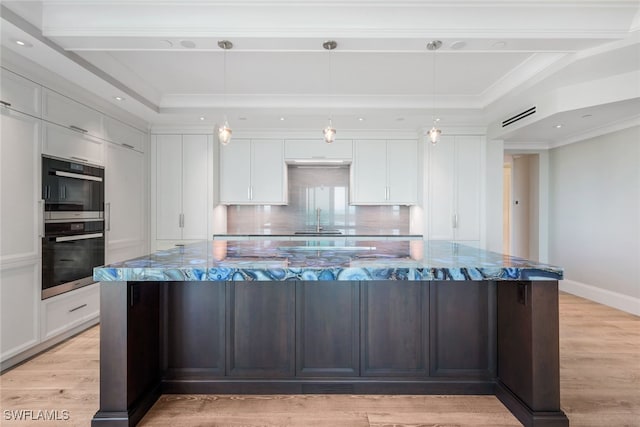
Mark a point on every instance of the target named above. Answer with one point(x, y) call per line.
point(73, 242)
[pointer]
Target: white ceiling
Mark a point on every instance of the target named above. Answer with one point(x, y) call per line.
point(497, 57)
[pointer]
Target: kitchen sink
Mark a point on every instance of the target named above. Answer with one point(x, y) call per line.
point(317, 233)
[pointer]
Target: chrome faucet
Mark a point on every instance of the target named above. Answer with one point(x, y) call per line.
point(318, 227)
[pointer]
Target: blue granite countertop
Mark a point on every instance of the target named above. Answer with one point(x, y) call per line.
point(265, 260)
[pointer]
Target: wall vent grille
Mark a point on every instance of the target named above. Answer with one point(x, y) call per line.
point(520, 116)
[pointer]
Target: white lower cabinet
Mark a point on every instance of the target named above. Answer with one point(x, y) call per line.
point(66, 311)
point(69, 144)
point(124, 203)
point(19, 307)
point(454, 189)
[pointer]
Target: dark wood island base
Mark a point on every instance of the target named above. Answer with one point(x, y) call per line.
point(359, 337)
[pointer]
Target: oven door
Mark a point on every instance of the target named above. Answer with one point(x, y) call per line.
point(72, 190)
point(68, 259)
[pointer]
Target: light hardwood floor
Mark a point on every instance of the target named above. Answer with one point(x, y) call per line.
point(600, 381)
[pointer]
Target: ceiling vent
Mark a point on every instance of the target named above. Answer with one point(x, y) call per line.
point(520, 116)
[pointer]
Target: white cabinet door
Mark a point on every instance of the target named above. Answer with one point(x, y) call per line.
point(21, 213)
point(196, 156)
point(467, 214)
point(19, 302)
point(68, 144)
point(168, 178)
point(402, 172)
point(440, 203)
point(20, 228)
point(71, 114)
point(454, 189)
point(124, 203)
point(268, 184)
point(20, 94)
point(123, 134)
point(235, 172)
point(369, 169)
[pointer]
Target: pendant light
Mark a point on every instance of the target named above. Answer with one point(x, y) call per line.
point(434, 132)
point(329, 132)
point(224, 131)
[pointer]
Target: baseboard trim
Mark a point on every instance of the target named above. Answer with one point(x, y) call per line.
point(602, 296)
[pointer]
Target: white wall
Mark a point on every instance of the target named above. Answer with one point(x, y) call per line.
point(493, 199)
point(520, 207)
point(594, 217)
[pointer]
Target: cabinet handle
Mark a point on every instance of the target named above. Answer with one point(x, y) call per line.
point(128, 146)
point(77, 308)
point(107, 214)
point(78, 129)
point(181, 220)
point(41, 228)
point(455, 220)
point(388, 193)
point(5, 103)
point(251, 192)
point(80, 159)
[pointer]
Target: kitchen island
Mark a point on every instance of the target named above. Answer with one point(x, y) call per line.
point(329, 316)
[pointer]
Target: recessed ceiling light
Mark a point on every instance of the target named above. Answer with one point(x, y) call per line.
point(242, 118)
point(23, 43)
point(201, 118)
point(188, 44)
point(585, 116)
point(499, 45)
point(118, 98)
point(558, 126)
point(282, 119)
point(361, 119)
point(437, 119)
point(457, 45)
point(400, 119)
point(167, 43)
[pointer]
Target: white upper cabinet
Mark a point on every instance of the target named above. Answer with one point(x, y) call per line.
point(384, 172)
point(183, 186)
point(253, 172)
point(68, 144)
point(20, 94)
point(123, 134)
point(317, 149)
point(71, 114)
point(454, 188)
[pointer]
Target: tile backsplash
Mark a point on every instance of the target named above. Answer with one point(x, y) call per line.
point(312, 187)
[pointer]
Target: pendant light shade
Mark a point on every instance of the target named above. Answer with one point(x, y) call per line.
point(329, 132)
point(224, 131)
point(434, 132)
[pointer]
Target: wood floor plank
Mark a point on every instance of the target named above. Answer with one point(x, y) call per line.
point(599, 378)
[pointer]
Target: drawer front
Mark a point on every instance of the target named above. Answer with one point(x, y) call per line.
point(20, 94)
point(68, 310)
point(123, 134)
point(68, 144)
point(71, 114)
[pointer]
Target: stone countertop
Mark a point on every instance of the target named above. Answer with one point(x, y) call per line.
point(276, 260)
